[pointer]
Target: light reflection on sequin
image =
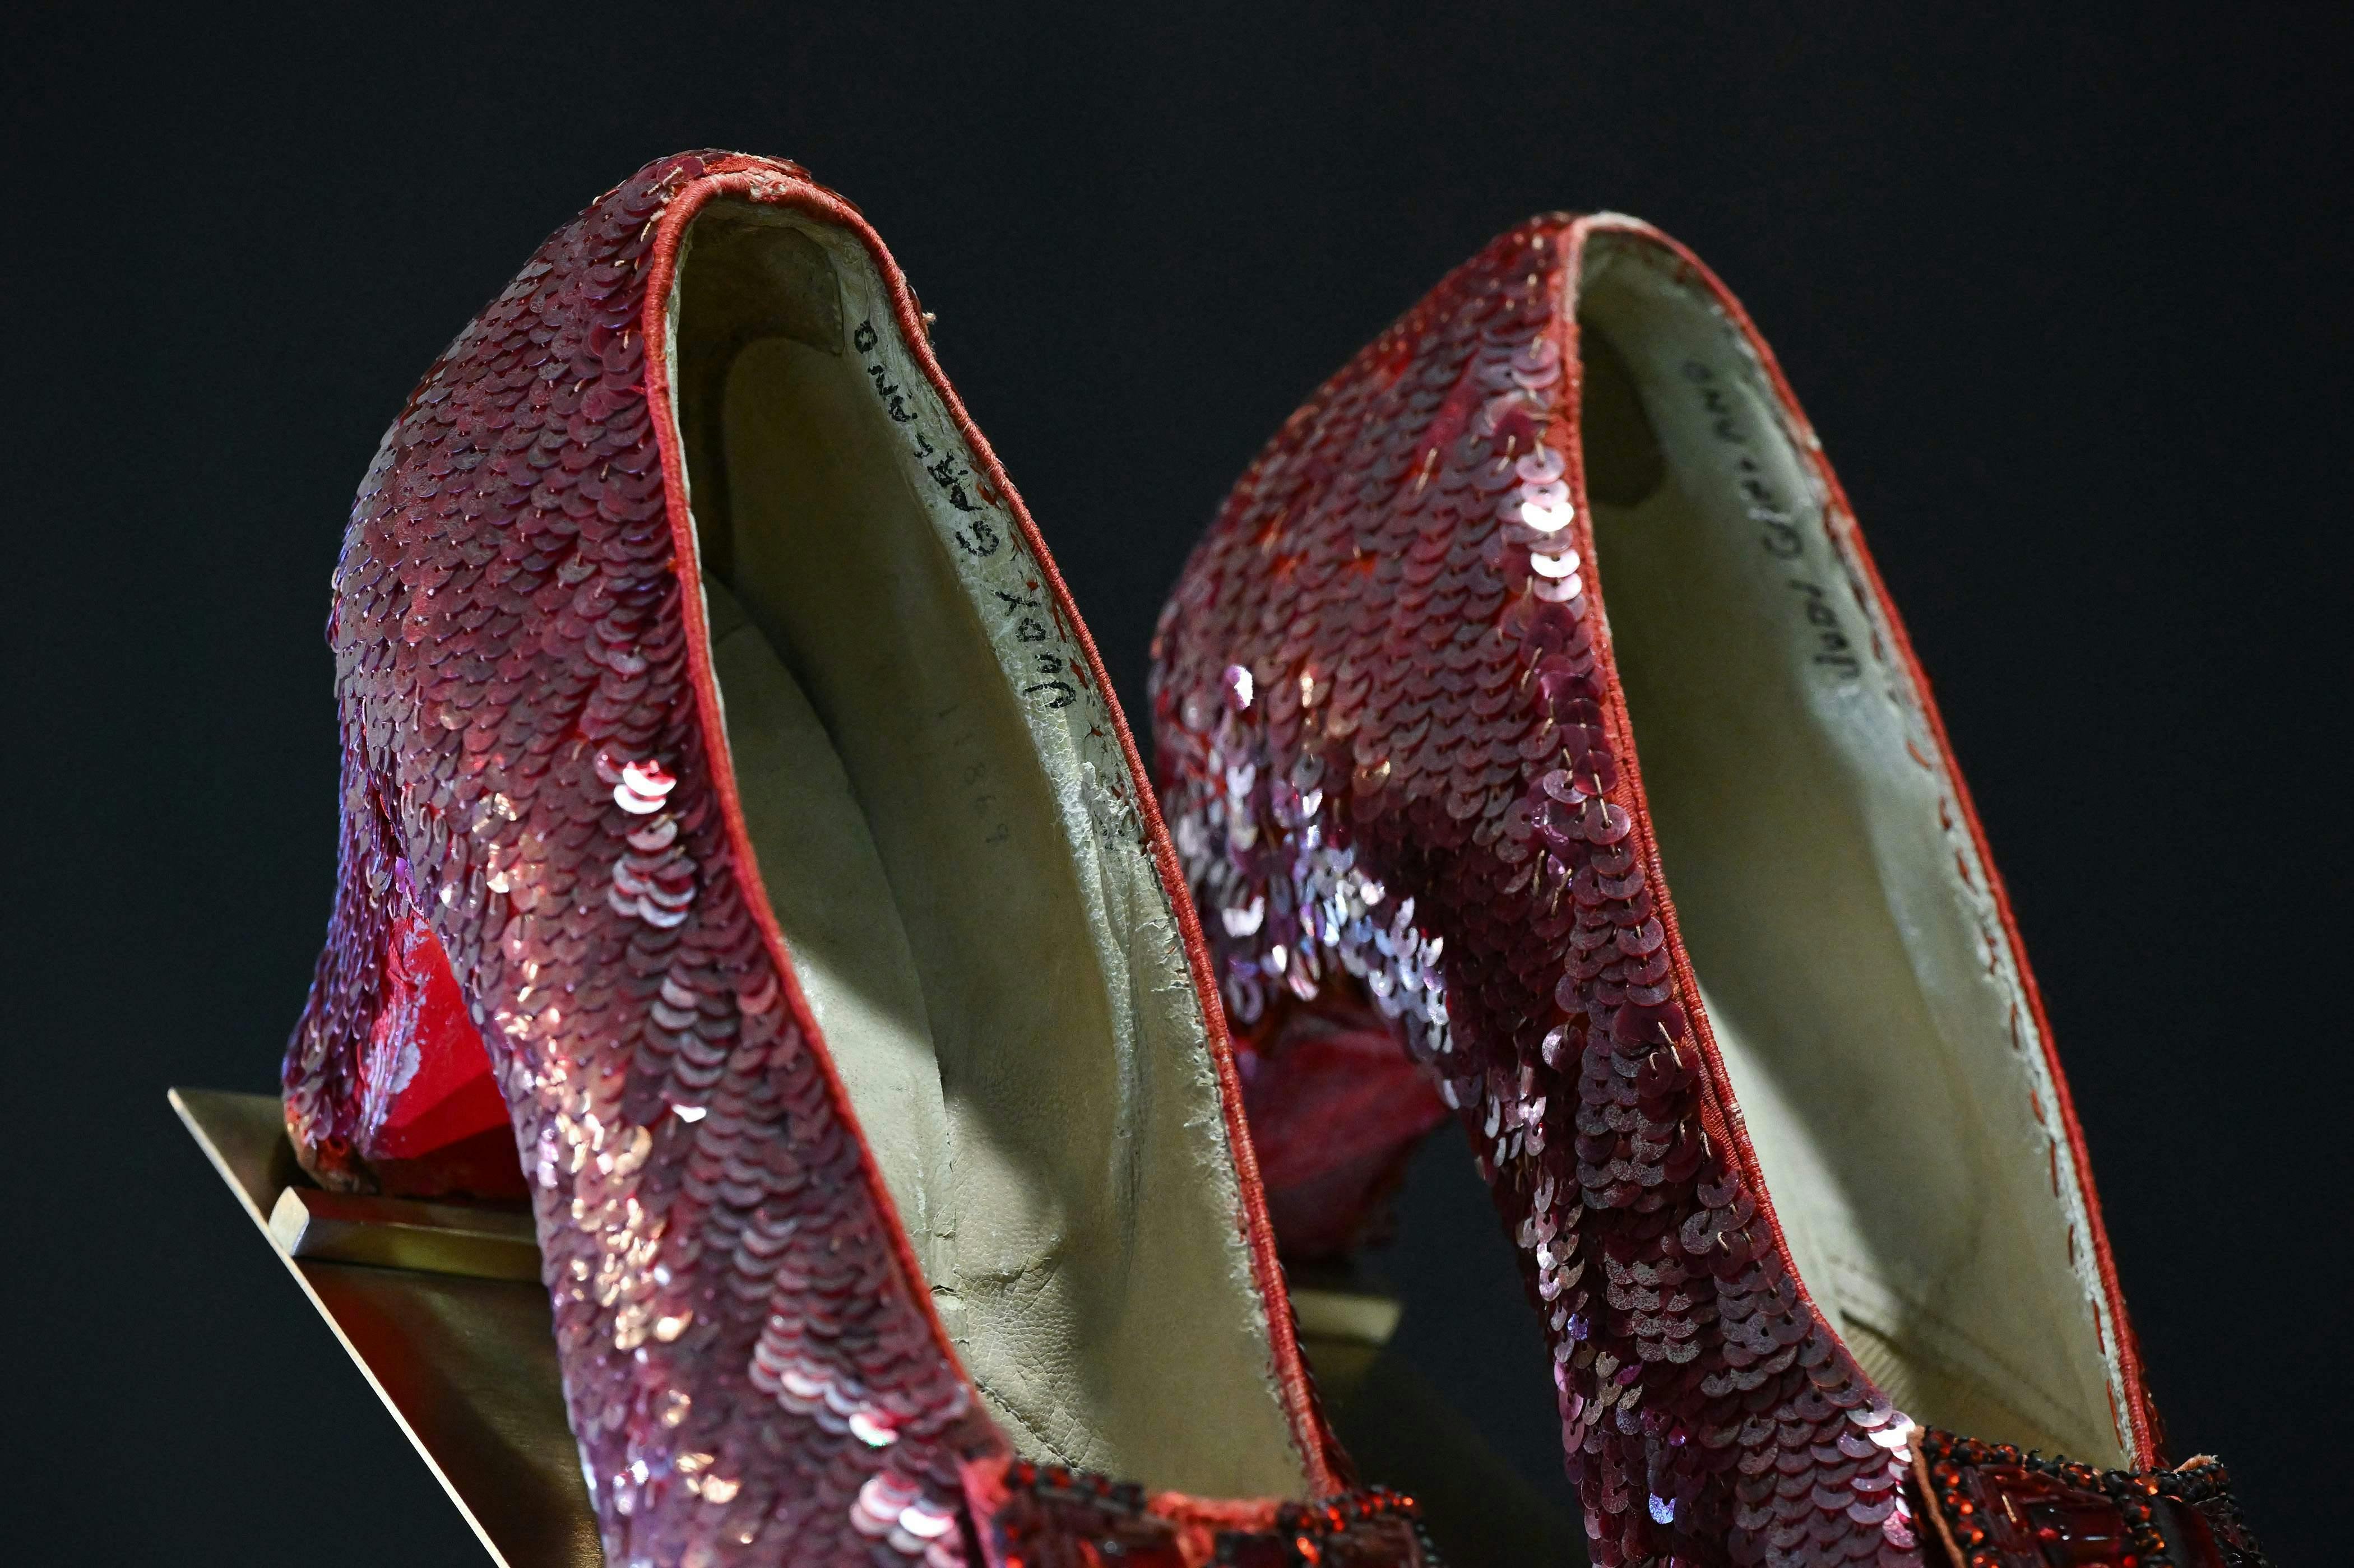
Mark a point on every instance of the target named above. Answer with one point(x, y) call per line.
point(1490, 810)
point(513, 678)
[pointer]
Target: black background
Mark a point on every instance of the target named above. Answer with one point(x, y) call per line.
point(2067, 298)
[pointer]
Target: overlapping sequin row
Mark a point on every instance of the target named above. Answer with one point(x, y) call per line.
point(1387, 731)
point(1286, 901)
point(748, 1371)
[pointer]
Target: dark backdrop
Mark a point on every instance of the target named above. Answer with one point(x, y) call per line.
point(2067, 299)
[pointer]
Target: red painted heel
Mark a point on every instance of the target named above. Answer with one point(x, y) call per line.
point(388, 1086)
point(1335, 1111)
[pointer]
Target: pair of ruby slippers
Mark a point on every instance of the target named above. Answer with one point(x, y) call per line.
point(744, 857)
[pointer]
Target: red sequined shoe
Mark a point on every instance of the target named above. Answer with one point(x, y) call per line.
point(790, 858)
point(1788, 1158)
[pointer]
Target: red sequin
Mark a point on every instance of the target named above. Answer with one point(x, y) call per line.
point(535, 875)
point(1424, 662)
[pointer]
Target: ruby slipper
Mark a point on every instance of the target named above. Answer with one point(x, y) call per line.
point(744, 856)
point(1789, 1156)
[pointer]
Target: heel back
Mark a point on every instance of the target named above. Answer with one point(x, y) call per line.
point(388, 1086)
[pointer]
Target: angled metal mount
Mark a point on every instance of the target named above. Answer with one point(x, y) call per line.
point(442, 1309)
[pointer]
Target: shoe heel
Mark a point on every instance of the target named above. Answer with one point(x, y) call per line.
point(388, 1086)
point(1336, 1110)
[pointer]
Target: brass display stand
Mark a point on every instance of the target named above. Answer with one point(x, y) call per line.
point(441, 1307)
point(465, 1363)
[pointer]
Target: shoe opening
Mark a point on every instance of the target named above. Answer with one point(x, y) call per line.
point(1851, 960)
point(946, 835)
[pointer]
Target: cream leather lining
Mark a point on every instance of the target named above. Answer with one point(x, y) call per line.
point(943, 825)
point(1850, 962)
